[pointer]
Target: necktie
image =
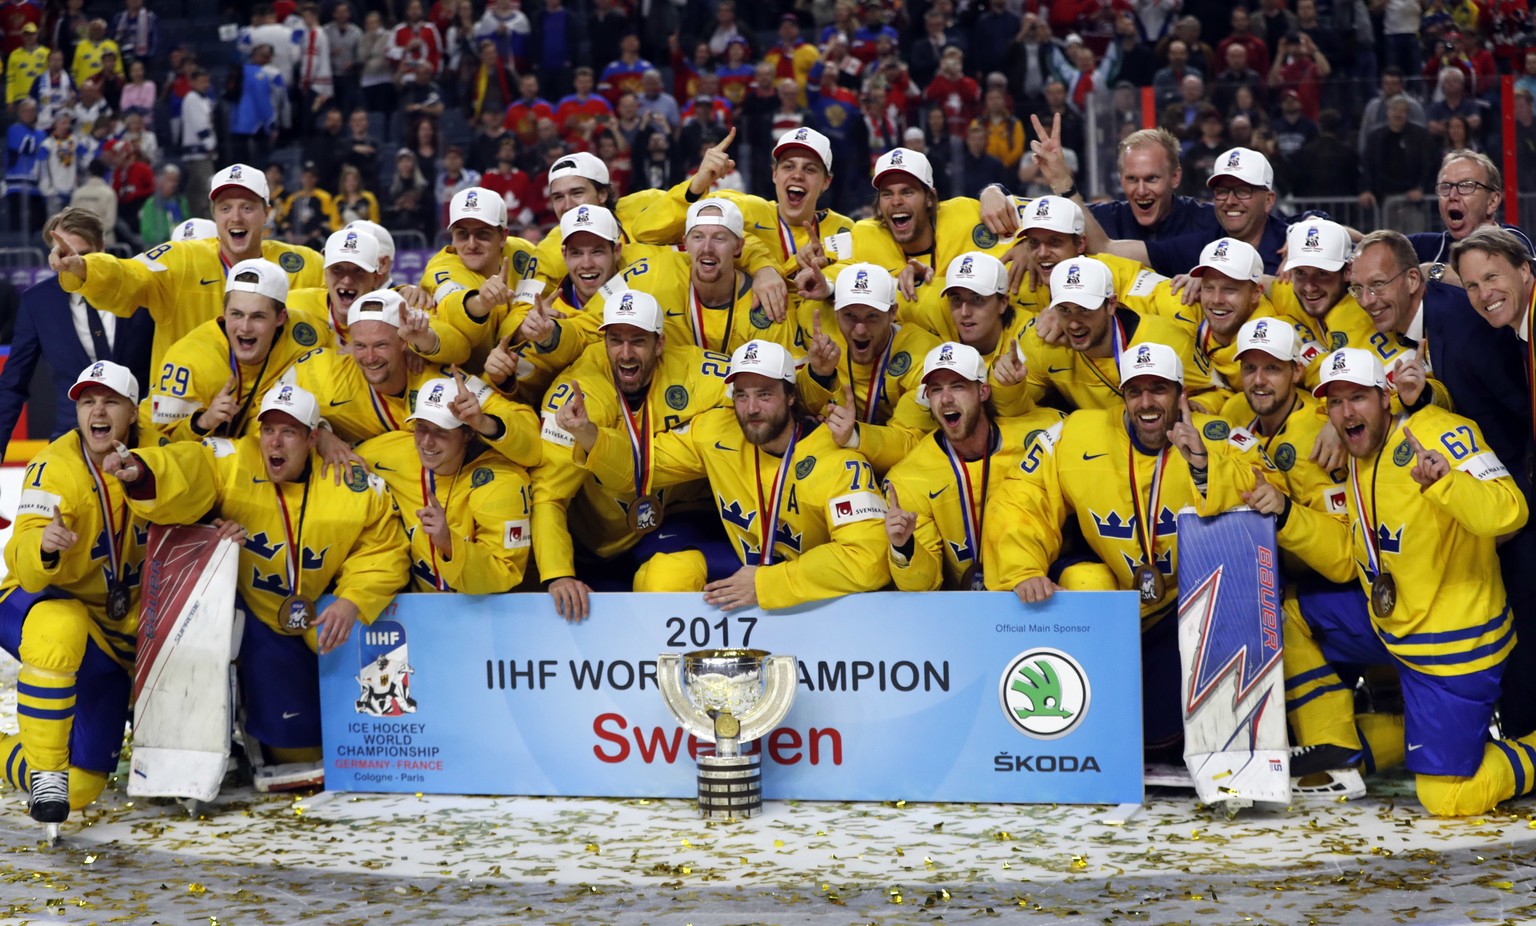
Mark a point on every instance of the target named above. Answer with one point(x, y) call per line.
point(98, 335)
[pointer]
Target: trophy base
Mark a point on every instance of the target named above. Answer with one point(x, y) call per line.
point(731, 787)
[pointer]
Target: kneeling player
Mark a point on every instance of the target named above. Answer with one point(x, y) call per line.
point(69, 604)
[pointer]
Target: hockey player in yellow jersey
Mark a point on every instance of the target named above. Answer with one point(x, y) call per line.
point(604, 534)
point(69, 607)
point(182, 282)
point(1428, 501)
point(209, 381)
point(1052, 228)
point(372, 390)
point(466, 509)
point(805, 517)
point(1084, 371)
point(790, 228)
point(1123, 474)
point(304, 536)
point(580, 178)
point(937, 496)
point(353, 266)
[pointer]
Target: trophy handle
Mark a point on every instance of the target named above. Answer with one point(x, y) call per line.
point(779, 679)
point(669, 676)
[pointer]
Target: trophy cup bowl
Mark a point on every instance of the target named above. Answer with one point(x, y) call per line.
point(728, 697)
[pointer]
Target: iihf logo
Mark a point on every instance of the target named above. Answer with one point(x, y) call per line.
point(947, 354)
point(965, 266)
point(234, 172)
point(186, 229)
point(435, 397)
point(1143, 354)
point(472, 200)
point(1234, 160)
point(802, 134)
point(1221, 250)
point(861, 281)
point(583, 215)
point(350, 244)
point(1338, 363)
point(1043, 208)
point(1312, 242)
point(626, 305)
point(99, 370)
point(751, 354)
point(896, 157)
point(285, 396)
point(1074, 275)
point(1261, 331)
point(384, 672)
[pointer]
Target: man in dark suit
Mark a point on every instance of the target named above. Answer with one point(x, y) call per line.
point(68, 335)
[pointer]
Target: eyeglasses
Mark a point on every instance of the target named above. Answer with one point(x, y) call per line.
point(1357, 290)
point(1464, 187)
point(1240, 193)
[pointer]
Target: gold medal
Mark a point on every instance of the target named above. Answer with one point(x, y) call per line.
point(117, 600)
point(297, 613)
point(1383, 595)
point(645, 514)
point(972, 580)
point(1149, 582)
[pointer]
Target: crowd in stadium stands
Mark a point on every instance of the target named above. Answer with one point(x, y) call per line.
point(394, 105)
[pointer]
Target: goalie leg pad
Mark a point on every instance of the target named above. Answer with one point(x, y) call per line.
point(279, 678)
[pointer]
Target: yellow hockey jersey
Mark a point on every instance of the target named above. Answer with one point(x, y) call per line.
point(901, 366)
point(567, 502)
point(548, 265)
point(947, 538)
point(489, 506)
point(825, 520)
point(1135, 285)
point(197, 368)
point(349, 536)
point(59, 479)
point(1437, 544)
point(180, 282)
point(1347, 325)
point(666, 276)
point(1082, 469)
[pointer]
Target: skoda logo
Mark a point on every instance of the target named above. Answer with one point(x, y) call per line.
point(1044, 693)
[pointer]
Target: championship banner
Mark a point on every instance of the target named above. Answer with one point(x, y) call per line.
point(1230, 641)
point(947, 696)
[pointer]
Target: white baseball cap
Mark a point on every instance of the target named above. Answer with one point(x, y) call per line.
point(632, 307)
point(1244, 164)
point(243, 176)
point(595, 220)
point(980, 273)
point(271, 280)
point(764, 358)
point(381, 305)
point(292, 400)
point(1081, 281)
point(380, 234)
point(114, 376)
point(479, 204)
point(807, 138)
point(960, 358)
point(353, 246)
point(729, 217)
point(1151, 359)
point(865, 284)
point(580, 164)
point(1230, 257)
point(1053, 213)
point(1273, 336)
point(432, 403)
point(1350, 365)
point(903, 161)
point(195, 230)
point(1317, 243)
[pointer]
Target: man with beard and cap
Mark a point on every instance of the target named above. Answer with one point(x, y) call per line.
point(304, 536)
point(805, 517)
point(1123, 473)
point(937, 495)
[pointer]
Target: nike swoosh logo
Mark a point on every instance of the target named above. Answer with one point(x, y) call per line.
point(665, 536)
point(761, 227)
point(1413, 746)
point(214, 280)
point(383, 468)
point(1179, 316)
point(938, 493)
point(1057, 369)
point(674, 315)
point(720, 446)
point(335, 403)
point(1094, 456)
point(289, 715)
point(257, 479)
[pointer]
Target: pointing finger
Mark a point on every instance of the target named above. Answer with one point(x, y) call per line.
point(816, 324)
point(726, 141)
point(848, 395)
point(1185, 413)
point(231, 386)
point(890, 497)
point(1413, 442)
point(506, 344)
point(58, 516)
point(1419, 352)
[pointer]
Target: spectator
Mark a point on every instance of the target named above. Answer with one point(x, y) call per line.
point(1329, 165)
point(557, 35)
point(426, 144)
point(54, 89)
point(1199, 155)
point(623, 74)
point(976, 169)
point(1138, 63)
point(1005, 133)
point(266, 30)
point(1454, 101)
point(24, 65)
point(253, 126)
point(421, 98)
point(1086, 76)
point(308, 215)
point(141, 139)
point(956, 93)
point(659, 21)
point(726, 28)
point(313, 77)
point(414, 42)
point(489, 133)
point(1167, 83)
point(165, 210)
point(1399, 166)
point(654, 168)
point(177, 83)
point(1029, 63)
point(23, 155)
point(1202, 57)
point(523, 115)
point(1302, 68)
point(686, 73)
point(327, 148)
point(59, 163)
point(1458, 135)
point(994, 30)
point(377, 76)
point(461, 58)
point(1525, 132)
point(1242, 34)
point(655, 101)
point(1236, 74)
point(494, 84)
point(512, 183)
point(111, 82)
point(928, 48)
point(1510, 31)
point(89, 53)
point(97, 198)
point(611, 151)
point(360, 149)
point(354, 203)
point(706, 114)
point(1527, 78)
point(1325, 36)
point(845, 22)
point(932, 140)
point(139, 93)
point(576, 111)
point(198, 143)
point(1472, 60)
point(754, 121)
point(793, 57)
point(1293, 129)
point(409, 197)
point(1401, 48)
point(872, 25)
point(1033, 183)
point(736, 73)
point(15, 16)
point(608, 24)
point(68, 28)
point(91, 107)
point(346, 42)
point(1375, 115)
point(626, 121)
point(882, 121)
point(834, 111)
point(1245, 104)
point(451, 180)
point(1275, 22)
point(1073, 132)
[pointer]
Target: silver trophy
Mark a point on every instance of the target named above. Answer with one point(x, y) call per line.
point(728, 697)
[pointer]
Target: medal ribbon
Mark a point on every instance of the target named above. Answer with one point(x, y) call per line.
point(768, 514)
point(876, 390)
point(428, 493)
point(381, 410)
point(787, 238)
point(639, 442)
point(295, 558)
point(116, 531)
point(233, 425)
point(973, 509)
point(1146, 522)
point(696, 321)
point(1367, 523)
point(1117, 347)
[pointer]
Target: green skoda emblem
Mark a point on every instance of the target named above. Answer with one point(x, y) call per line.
point(983, 237)
point(1337, 340)
point(677, 398)
point(291, 261)
point(1403, 455)
point(304, 334)
point(804, 467)
point(760, 319)
point(900, 364)
point(1285, 458)
point(357, 478)
point(1216, 430)
point(481, 476)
